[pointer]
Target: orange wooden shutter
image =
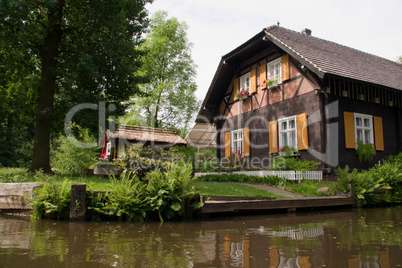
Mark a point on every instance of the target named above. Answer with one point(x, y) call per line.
point(378, 134)
point(302, 133)
point(273, 137)
point(246, 141)
point(349, 123)
point(253, 81)
point(227, 144)
point(263, 76)
point(285, 67)
point(236, 88)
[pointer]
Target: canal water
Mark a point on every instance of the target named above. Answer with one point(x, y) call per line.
point(341, 238)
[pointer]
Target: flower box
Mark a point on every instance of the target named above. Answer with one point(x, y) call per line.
point(242, 94)
point(270, 83)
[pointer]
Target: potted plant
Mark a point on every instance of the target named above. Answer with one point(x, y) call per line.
point(242, 94)
point(365, 151)
point(271, 83)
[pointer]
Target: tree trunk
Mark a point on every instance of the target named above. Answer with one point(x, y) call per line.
point(44, 111)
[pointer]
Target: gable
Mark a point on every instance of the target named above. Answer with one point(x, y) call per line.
point(323, 58)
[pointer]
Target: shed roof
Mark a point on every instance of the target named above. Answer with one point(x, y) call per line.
point(147, 134)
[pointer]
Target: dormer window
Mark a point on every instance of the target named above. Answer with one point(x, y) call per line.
point(274, 70)
point(245, 82)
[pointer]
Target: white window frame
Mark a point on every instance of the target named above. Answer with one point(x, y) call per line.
point(245, 82)
point(364, 128)
point(108, 148)
point(274, 70)
point(237, 140)
point(288, 132)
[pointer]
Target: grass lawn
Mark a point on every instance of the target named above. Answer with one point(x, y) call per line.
point(309, 188)
point(98, 183)
point(231, 189)
point(10, 175)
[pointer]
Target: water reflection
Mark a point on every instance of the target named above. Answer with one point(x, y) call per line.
point(352, 238)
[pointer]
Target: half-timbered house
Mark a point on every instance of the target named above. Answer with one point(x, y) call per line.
point(322, 98)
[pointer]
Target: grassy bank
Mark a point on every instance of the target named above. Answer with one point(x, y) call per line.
point(214, 186)
point(17, 175)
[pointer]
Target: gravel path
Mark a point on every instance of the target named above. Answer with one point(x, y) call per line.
point(274, 190)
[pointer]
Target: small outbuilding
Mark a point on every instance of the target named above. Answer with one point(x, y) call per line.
point(115, 143)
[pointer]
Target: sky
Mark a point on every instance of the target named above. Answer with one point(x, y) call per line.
point(216, 27)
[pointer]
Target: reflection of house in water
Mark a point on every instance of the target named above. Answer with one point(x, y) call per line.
point(296, 246)
point(294, 233)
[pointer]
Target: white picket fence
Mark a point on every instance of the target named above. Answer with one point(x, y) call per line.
point(291, 175)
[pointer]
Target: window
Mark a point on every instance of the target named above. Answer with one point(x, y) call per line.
point(245, 82)
point(237, 141)
point(363, 128)
point(287, 132)
point(108, 148)
point(274, 70)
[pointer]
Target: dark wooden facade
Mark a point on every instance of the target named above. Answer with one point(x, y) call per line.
point(305, 89)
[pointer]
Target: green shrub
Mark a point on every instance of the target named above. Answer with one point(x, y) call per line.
point(365, 151)
point(379, 185)
point(167, 191)
point(67, 158)
point(293, 163)
point(125, 201)
point(52, 200)
point(143, 159)
point(273, 180)
point(158, 192)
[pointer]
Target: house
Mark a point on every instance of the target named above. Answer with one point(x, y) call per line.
point(304, 92)
point(115, 143)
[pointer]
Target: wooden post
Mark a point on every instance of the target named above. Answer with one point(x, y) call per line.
point(78, 202)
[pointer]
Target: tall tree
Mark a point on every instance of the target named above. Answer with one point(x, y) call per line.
point(168, 99)
point(85, 51)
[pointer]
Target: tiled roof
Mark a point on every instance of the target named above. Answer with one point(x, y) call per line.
point(331, 58)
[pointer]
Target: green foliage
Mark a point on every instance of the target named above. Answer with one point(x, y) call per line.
point(17, 175)
point(143, 159)
point(310, 187)
point(365, 186)
point(365, 151)
point(68, 158)
point(189, 154)
point(167, 191)
point(52, 200)
point(91, 59)
point(125, 200)
point(161, 192)
point(379, 185)
point(168, 98)
point(293, 163)
point(273, 180)
point(287, 151)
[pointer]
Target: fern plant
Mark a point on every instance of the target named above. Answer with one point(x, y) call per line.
point(125, 200)
point(52, 200)
point(167, 191)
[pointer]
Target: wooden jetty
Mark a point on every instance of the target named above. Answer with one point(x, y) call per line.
point(290, 205)
point(239, 205)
